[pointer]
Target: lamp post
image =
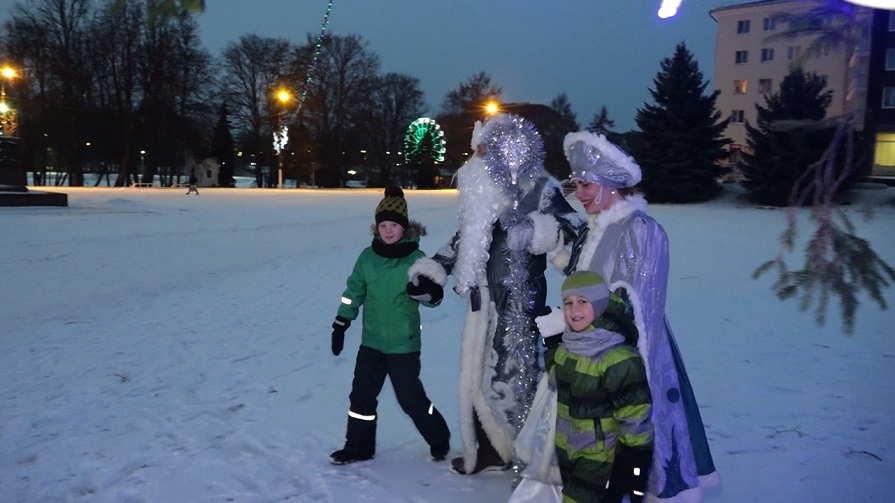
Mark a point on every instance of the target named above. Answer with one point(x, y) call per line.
point(280, 138)
point(7, 115)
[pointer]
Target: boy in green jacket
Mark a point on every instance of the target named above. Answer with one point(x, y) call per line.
point(390, 340)
point(604, 436)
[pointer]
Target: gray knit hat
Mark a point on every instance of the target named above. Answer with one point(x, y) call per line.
point(589, 285)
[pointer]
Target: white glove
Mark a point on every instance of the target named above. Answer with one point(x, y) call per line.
point(551, 324)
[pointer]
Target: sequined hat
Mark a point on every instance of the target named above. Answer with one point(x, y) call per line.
point(594, 158)
point(393, 207)
point(589, 285)
point(513, 149)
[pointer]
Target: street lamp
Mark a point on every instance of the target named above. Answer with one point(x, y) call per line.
point(280, 137)
point(492, 107)
point(8, 120)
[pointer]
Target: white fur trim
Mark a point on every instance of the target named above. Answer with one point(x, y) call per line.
point(476, 344)
point(561, 259)
point(546, 233)
point(429, 268)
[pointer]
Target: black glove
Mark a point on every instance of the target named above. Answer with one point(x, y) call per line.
point(630, 472)
point(426, 291)
point(339, 328)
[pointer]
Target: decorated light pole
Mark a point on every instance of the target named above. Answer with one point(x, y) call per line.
point(281, 135)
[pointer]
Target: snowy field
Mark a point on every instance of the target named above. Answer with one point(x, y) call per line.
point(164, 348)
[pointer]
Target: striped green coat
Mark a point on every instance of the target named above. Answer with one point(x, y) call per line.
point(603, 400)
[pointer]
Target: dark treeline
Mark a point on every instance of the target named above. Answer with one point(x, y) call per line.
point(127, 90)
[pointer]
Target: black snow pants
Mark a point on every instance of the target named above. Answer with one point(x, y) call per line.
point(370, 370)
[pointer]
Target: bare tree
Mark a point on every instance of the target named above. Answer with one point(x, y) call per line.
point(252, 67)
point(344, 77)
point(396, 101)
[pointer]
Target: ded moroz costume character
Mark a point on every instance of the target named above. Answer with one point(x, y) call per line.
point(511, 213)
point(630, 249)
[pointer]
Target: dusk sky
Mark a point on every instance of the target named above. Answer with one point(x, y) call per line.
point(599, 52)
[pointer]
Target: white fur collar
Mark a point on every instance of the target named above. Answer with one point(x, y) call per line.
point(618, 211)
point(598, 222)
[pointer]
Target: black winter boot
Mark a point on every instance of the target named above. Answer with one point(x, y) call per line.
point(487, 458)
point(360, 442)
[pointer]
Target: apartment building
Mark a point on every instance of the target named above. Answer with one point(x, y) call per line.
point(750, 62)
point(880, 117)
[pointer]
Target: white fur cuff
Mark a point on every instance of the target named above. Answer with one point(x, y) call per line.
point(428, 268)
point(561, 259)
point(546, 233)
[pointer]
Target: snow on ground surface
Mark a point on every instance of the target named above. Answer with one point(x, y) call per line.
point(164, 348)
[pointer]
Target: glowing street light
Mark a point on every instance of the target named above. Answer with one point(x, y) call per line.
point(492, 107)
point(8, 121)
point(280, 137)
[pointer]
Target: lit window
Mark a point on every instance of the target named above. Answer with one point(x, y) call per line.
point(767, 55)
point(890, 59)
point(742, 57)
point(770, 24)
point(736, 116)
point(765, 85)
point(739, 87)
point(743, 26)
point(888, 97)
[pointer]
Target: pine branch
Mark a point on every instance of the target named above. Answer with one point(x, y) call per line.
point(837, 262)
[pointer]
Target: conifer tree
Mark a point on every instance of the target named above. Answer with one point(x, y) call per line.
point(837, 263)
point(601, 123)
point(681, 139)
point(781, 149)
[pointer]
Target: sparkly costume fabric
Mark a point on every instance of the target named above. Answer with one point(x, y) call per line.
point(499, 187)
point(632, 253)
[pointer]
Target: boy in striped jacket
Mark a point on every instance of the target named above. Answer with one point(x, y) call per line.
point(604, 436)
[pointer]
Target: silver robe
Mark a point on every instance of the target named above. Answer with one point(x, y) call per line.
point(630, 249)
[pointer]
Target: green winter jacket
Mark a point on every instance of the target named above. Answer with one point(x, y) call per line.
point(603, 399)
point(391, 319)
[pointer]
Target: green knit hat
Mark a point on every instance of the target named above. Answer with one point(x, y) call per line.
point(393, 207)
point(589, 285)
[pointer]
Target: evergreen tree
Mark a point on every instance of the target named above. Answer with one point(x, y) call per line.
point(790, 136)
point(601, 123)
point(681, 139)
point(222, 148)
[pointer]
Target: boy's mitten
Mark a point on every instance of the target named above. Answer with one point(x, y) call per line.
point(630, 472)
point(340, 325)
point(426, 290)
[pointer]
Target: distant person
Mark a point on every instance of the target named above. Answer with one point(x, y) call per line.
point(627, 247)
point(390, 339)
point(193, 181)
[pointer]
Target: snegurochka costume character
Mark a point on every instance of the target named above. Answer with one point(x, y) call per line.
point(628, 248)
point(511, 213)
point(390, 340)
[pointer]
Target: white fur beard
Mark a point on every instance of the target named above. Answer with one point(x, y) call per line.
point(481, 203)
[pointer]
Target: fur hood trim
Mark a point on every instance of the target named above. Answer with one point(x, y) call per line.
point(413, 231)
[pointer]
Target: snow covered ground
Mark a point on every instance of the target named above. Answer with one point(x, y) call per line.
point(164, 348)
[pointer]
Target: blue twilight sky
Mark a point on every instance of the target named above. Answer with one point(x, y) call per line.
point(599, 52)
